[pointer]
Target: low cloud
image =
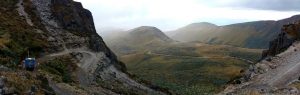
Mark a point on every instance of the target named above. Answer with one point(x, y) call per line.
point(172, 14)
point(276, 5)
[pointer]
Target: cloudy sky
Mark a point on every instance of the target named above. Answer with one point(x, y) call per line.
point(172, 14)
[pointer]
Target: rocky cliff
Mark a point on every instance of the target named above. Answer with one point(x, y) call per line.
point(285, 39)
point(73, 57)
point(278, 72)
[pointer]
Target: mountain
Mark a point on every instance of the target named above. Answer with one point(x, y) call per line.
point(255, 34)
point(193, 28)
point(73, 59)
point(140, 38)
point(277, 73)
point(148, 33)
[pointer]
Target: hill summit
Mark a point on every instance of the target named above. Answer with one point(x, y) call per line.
point(140, 38)
point(148, 33)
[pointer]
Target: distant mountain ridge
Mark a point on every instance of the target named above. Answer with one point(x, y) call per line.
point(255, 34)
point(138, 38)
point(149, 32)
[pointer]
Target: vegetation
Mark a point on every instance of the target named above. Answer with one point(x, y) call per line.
point(253, 56)
point(178, 51)
point(22, 81)
point(255, 34)
point(61, 67)
point(186, 73)
point(9, 4)
point(16, 36)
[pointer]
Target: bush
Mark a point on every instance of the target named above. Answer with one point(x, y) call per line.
point(8, 3)
point(60, 67)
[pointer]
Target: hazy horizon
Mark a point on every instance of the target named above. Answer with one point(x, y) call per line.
point(172, 14)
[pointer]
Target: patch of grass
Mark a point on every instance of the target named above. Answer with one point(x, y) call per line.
point(22, 81)
point(62, 67)
point(246, 55)
point(178, 51)
point(185, 75)
point(17, 47)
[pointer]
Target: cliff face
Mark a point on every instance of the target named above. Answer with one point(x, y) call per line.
point(278, 72)
point(285, 39)
point(62, 32)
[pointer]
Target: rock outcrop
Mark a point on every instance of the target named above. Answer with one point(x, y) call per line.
point(289, 34)
point(278, 72)
point(66, 32)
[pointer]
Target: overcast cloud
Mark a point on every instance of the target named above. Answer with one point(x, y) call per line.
point(172, 14)
point(278, 5)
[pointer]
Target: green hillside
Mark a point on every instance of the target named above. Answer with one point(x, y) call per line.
point(255, 34)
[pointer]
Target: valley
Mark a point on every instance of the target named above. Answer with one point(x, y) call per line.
point(185, 68)
point(191, 71)
point(203, 57)
point(52, 47)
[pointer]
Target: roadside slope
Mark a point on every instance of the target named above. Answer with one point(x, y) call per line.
point(279, 72)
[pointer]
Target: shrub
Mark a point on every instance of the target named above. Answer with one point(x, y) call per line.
point(62, 67)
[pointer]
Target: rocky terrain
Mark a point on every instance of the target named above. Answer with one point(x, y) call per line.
point(278, 73)
point(73, 57)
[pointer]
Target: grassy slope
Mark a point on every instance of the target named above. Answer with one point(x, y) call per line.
point(220, 35)
point(188, 75)
point(255, 34)
point(16, 36)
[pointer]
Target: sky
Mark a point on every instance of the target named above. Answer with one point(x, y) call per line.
point(172, 14)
